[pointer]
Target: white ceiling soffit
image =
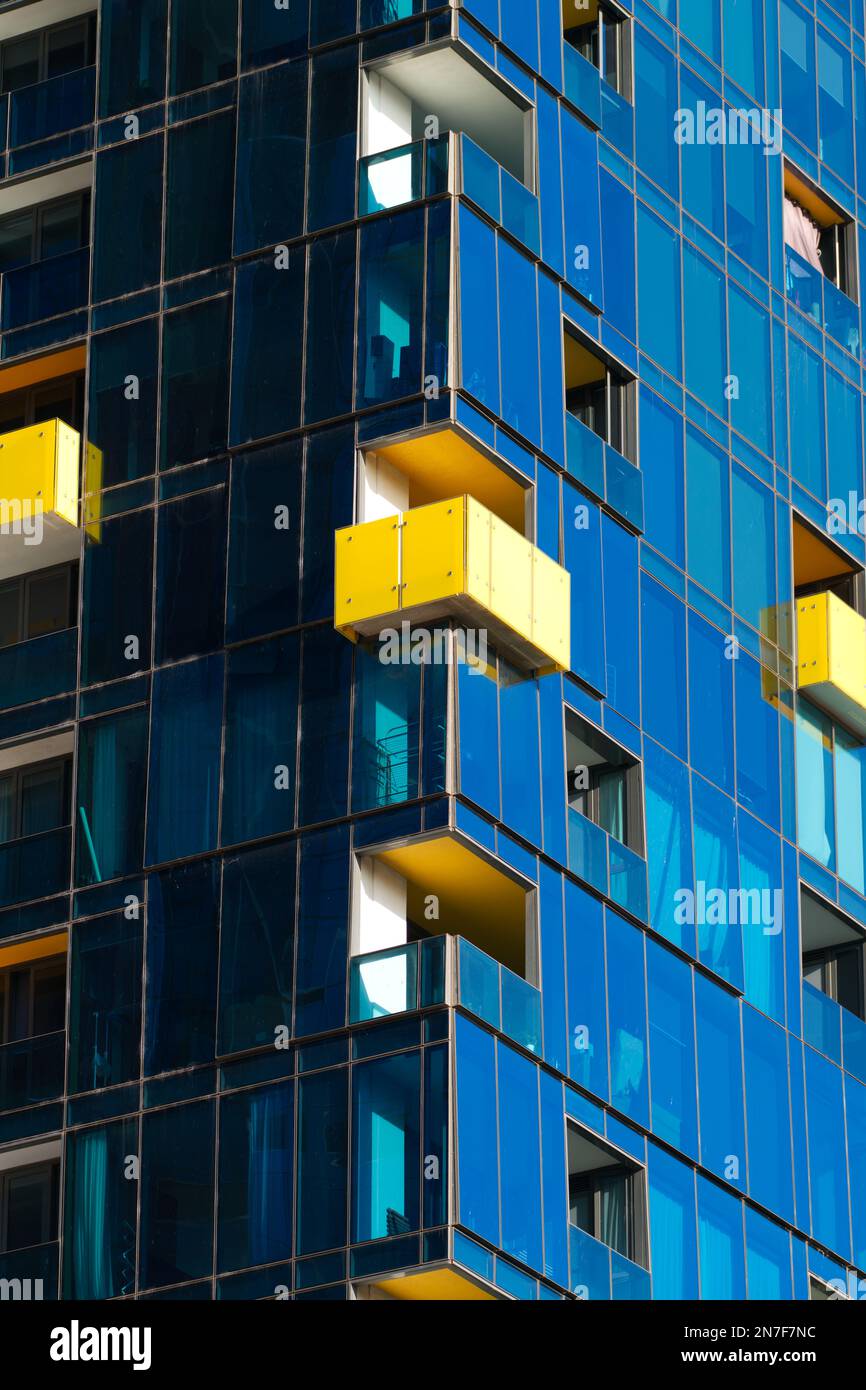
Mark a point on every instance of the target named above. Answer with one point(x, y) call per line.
point(38, 750)
point(28, 192)
point(443, 83)
point(24, 19)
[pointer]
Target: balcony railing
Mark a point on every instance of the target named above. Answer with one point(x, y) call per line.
point(32, 1070)
point(603, 471)
point(34, 867)
point(45, 290)
point(403, 175)
point(597, 1272)
point(39, 668)
point(606, 864)
point(582, 84)
point(821, 300)
point(52, 107)
point(831, 658)
point(445, 970)
point(454, 559)
point(498, 193)
point(30, 1275)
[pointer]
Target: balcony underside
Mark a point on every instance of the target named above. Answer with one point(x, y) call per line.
point(445, 1284)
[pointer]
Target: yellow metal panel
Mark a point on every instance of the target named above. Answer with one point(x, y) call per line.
point(433, 552)
point(846, 646)
point(27, 471)
point(551, 608)
point(93, 471)
point(511, 577)
point(67, 459)
point(366, 571)
point(478, 522)
point(812, 650)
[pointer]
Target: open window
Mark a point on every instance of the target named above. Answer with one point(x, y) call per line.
point(833, 948)
point(604, 782)
point(601, 33)
point(600, 395)
point(424, 94)
point(821, 567)
point(607, 1195)
point(820, 233)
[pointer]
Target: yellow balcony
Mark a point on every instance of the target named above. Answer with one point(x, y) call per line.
point(38, 497)
point(454, 559)
point(831, 658)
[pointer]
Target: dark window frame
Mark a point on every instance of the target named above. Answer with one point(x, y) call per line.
point(605, 41)
point(43, 965)
point(628, 767)
point(17, 774)
point(37, 226)
point(827, 960)
point(24, 584)
point(49, 1169)
point(85, 22)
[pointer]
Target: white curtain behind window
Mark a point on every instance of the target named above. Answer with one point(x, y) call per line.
point(801, 234)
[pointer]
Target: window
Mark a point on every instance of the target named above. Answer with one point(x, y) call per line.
point(54, 400)
point(28, 1206)
point(51, 52)
point(604, 782)
point(49, 229)
point(33, 1000)
point(820, 568)
point(833, 953)
point(32, 605)
point(607, 1195)
point(35, 798)
point(599, 395)
point(819, 233)
point(601, 35)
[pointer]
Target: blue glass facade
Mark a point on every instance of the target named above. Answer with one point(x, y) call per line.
point(326, 975)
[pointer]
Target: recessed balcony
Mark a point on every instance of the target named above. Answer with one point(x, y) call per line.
point(437, 922)
point(831, 658)
point(454, 559)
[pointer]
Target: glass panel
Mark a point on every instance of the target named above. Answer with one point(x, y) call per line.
point(386, 1104)
point(177, 1195)
point(100, 1212)
point(44, 799)
point(384, 983)
point(105, 1003)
